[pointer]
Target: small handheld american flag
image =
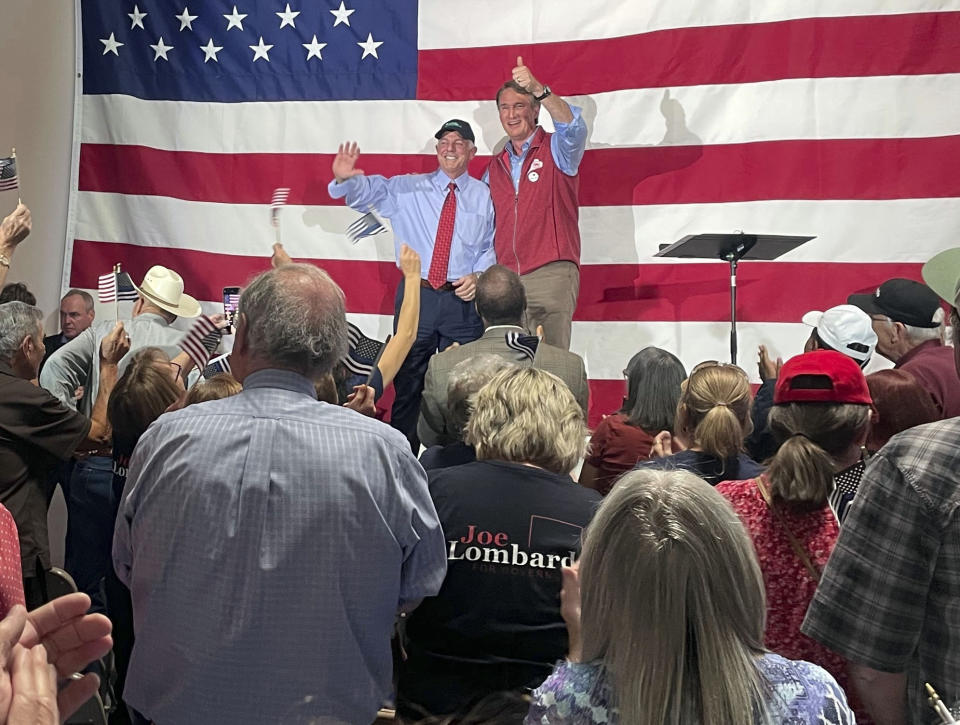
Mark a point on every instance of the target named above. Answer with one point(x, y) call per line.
point(115, 286)
point(200, 341)
point(219, 364)
point(107, 287)
point(277, 202)
point(8, 174)
point(126, 292)
point(366, 226)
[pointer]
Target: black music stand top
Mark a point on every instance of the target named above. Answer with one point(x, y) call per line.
point(730, 247)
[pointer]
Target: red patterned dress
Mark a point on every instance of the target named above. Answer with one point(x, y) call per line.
point(789, 584)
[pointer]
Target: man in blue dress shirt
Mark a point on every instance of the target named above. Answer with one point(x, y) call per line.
point(418, 208)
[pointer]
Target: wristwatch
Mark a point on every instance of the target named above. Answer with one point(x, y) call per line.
point(546, 94)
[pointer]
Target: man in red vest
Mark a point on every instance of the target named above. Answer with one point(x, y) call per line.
point(534, 184)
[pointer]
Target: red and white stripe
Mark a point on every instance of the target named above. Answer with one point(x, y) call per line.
point(192, 342)
point(107, 287)
point(840, 121)
point(277, 202)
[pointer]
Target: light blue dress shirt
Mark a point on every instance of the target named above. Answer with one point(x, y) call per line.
point(268, 541)
point(412, 203)
point(78, 362)
point(567, 144)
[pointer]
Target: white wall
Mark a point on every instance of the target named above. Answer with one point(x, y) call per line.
point(37, 71)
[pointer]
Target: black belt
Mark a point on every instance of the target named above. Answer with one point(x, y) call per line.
point(445, 287)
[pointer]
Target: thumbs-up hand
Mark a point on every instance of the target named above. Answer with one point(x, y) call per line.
point(525, 79)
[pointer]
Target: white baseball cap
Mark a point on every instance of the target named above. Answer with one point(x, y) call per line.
point(846, 329)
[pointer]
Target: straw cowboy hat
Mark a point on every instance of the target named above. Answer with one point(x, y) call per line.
point(164, 288)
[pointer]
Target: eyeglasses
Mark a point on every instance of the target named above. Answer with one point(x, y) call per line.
point(175, 369)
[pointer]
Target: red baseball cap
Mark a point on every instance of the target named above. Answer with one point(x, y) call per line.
point(821, 376)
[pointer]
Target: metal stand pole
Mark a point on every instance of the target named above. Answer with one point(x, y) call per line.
point(731, 257)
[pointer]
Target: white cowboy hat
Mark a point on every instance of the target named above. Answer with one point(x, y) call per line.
point(164, 288)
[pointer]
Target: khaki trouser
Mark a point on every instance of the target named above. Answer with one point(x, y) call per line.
point(551, 299)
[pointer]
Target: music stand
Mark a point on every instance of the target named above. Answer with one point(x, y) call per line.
point(731, 248)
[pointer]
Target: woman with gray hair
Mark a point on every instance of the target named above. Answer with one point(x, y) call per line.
point(666, 615)
point(466, 379)
point(512, 519)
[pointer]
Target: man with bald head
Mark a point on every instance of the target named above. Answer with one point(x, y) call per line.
point(269, 539)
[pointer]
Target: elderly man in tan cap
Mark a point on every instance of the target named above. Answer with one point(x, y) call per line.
point(91, 502)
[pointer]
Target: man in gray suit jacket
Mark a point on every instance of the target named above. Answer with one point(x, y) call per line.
point(501, 301)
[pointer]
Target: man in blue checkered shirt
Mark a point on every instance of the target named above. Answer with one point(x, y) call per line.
point(268, 539)
point(889, 599)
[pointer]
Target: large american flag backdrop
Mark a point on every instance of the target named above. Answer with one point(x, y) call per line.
point(839, 120)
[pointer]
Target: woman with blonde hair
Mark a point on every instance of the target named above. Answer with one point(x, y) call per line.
point(713, 419)
point(512, 519)
point(820, 419)
point(666, 616)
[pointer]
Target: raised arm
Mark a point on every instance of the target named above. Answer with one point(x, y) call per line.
point(112, 349)
point(558, 108)
point(407, 320)
point(13, 229)
point(70, 367)
point(570, 139)
point(360, 191)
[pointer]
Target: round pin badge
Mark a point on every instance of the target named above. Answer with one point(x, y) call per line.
point(533, 176)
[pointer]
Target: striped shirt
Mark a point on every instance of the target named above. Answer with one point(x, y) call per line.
point(268, 541)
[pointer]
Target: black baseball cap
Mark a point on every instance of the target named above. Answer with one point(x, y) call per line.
point(902, 300)
point(461, 127)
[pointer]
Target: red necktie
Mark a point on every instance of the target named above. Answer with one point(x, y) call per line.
point(437, 276)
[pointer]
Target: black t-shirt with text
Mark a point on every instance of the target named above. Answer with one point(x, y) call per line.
point(495, 624)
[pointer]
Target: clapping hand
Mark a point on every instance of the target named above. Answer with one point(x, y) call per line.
point(769, 370)
point(570, 608)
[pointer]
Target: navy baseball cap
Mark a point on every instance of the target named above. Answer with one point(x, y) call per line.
point(902, 300)
point(461, 127)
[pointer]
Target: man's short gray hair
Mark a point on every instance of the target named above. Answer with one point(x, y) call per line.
point(17, 321)
point(83, 294)
point(466, 378)
point(922, 334)
point(295, 319)
point(916, 335)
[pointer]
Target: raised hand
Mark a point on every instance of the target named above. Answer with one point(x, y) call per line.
point(280, 256)
point(115, 345)
point(14, 228)
point(525, 79)
point(345, 161)
point(409, 262)
point(769, 370)
point(362, 400)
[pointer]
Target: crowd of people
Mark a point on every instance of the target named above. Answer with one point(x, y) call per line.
point(265, 549)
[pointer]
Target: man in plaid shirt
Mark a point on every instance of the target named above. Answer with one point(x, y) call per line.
point(889, 599)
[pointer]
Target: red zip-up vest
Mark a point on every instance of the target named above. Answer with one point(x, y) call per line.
point(538, 223)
